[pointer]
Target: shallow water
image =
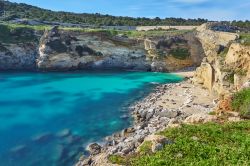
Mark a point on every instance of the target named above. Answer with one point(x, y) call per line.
point(48, 118)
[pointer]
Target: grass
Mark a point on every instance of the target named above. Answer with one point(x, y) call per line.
point(33, 27)
point(132, 33)
point(214, 144)
point(246, 38)
point(145, 148)
point(7, 29)
point(241, 102)
point(180, 53)
point(116, 159)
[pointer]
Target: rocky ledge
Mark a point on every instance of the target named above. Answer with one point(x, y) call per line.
point(168, 106)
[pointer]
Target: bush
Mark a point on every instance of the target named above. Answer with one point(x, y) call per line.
point(241, 103)
point(180, 53)
point(245, 38)
point(230, 77)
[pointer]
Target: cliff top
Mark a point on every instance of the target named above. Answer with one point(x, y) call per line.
point(15, 33)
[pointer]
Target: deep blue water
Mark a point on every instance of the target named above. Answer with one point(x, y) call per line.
point(49, 118)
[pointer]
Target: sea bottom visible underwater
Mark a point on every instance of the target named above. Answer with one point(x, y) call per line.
point(48, 118)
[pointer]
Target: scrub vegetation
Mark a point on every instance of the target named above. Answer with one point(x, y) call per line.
point(202, 144)
point(241, 103)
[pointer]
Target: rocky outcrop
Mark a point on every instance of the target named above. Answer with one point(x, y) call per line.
point(238, 59)
point(18, 56)
point(224, 68)
point(61, 50)
point(64, 50)
point(176, 52)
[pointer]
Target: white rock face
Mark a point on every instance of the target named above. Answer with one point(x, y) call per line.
point(63, 51)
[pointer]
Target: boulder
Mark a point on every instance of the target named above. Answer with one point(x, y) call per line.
point(94, 149)
point(168, 113)
point(200, 118)
point(158, 142)
point(157, 147)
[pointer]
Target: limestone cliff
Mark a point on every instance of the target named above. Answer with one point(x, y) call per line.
point(69, 50)
point(64, 50)
point(226, 65)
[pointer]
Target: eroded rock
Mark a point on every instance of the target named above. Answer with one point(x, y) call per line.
point(94, 148)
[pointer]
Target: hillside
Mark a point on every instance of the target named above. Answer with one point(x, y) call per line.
point(24, 11)
point(15, 10)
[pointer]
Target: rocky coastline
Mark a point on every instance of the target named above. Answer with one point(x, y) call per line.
point(223, 70)
point(159, 110)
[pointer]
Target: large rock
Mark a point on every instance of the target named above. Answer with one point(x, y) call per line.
point(157, 142)
point(200, 118)
point(94, 149)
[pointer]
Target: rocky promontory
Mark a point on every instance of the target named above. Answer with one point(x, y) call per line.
point(61, 50)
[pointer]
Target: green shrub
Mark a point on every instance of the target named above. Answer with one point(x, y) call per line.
point(180, 53)
point(245, 38)
point(224, 52)
point(241, 102)
point(230, 77)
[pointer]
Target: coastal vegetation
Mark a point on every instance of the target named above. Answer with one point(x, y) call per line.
point(241, 103)
point(245, 38)
point(15, 10)
point(203, 144)
point(14, 33)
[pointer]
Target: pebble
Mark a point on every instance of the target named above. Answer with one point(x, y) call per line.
point(148, 119)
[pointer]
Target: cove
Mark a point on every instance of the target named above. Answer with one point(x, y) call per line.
point(47, 118)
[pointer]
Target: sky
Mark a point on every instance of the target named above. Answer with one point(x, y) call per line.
point(208, 9)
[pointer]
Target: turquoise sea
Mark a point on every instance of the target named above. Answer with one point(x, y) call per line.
point(48, 118)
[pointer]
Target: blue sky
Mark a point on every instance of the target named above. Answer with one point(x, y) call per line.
point(210, 9)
